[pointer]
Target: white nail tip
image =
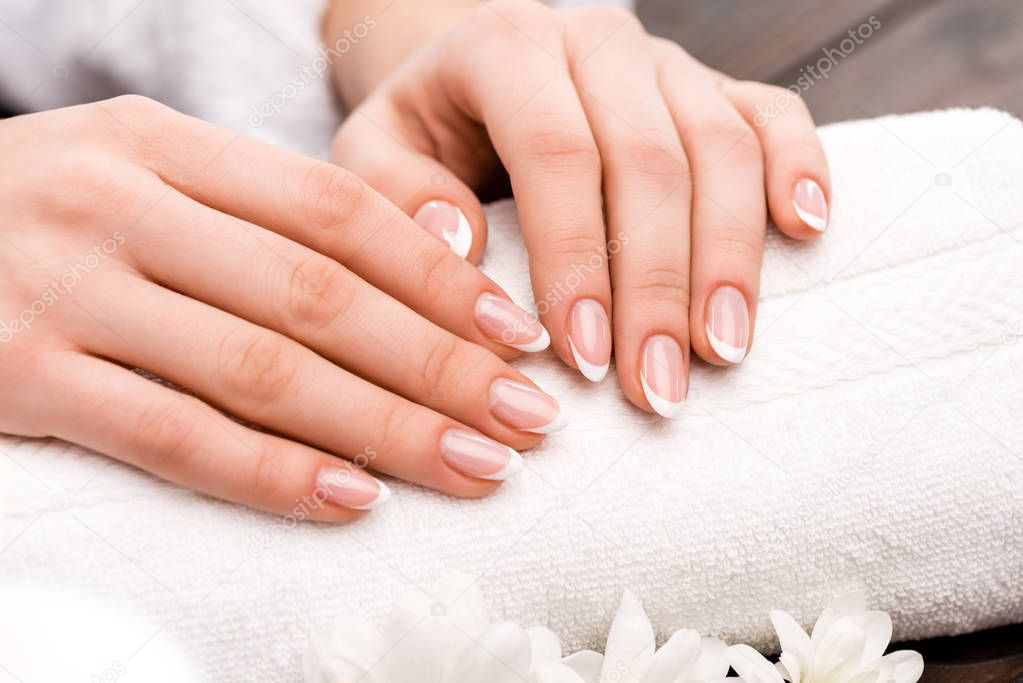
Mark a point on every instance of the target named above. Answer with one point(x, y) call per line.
point(555, 425)
point(661, 405)
point(461, 241)
point(814, 221)
point(592, 372)
point(514, 466)
point(725, 351)
point(383, 496)
point(538, 344)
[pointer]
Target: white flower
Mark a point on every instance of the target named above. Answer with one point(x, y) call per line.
point(847, 645)
point(449, 638)
point(446, 637)
point(629, 656)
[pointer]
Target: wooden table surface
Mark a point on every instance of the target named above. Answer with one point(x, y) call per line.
point(924, 54)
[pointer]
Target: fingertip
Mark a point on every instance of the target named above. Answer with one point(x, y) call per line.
point(802, 210)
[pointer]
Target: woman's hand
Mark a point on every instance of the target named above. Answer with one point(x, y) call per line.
point(135, 237)
point(613, 141)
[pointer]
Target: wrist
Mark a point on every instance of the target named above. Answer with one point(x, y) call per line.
point(376, 36)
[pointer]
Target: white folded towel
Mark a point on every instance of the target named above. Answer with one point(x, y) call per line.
point(871, 439)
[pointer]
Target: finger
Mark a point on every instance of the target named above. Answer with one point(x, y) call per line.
point(270, 380)
point(117, 412)
point(331, 211)
point(646, 186)
point(729, 214)
point(798, 183)
point(377, 144)
point(281, 285)
point(539, 130)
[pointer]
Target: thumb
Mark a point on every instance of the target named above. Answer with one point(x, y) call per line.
point(378, 146)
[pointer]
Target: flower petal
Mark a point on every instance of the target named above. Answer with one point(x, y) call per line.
point(712, 662)
point(464, 602)
point(501, 656)
point(423, 653)
point(752, 665)
point(789, 666)
point(351, 650)
point(544, 645)
point(586, 664)
point(674, 658)
point(847, 604)
point(555, 672)
point(903, 666)
point(795, 642)
point(630, 642)
point(839, 653)
point(877, 627)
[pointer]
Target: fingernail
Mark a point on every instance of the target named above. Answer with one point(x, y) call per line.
point(446, 222)
point(728, 323)
point(589, 337)
point(663, 375)
point(351, 488)
point(477, 456)
point(809, 203)
point(522, 407)
point(503, 321)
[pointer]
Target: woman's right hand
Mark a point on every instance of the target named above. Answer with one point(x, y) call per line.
point(278, 289)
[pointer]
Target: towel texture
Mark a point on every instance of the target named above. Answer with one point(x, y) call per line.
point(872, 439)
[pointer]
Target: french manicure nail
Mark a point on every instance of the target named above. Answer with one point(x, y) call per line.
point(477, 456)
point(589, 337)
point(352, 488)
point(810, 205)
point(504, 322)
point(663, 375)
point(522, 407)
point(446, 222)
point(728, 323)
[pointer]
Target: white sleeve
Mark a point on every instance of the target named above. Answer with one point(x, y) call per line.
point(249, 65)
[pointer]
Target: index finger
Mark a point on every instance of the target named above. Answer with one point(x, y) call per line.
point(333, 212)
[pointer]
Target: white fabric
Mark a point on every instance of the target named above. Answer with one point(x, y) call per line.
point(223, 61)
point(871, 439)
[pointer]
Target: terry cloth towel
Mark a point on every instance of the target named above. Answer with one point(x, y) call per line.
point(871, 439)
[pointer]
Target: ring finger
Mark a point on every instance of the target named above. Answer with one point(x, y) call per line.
point(729, 212)
point(267, 379)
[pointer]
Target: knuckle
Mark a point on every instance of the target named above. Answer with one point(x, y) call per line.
point(261, 368)
point(575, 245)
point(514, 16)
point(331, 197)
point(729, 135)
point(662, 282)
point(319, 293)
point(264, 479)
point(602, 19)
point(738, 242)
point(166, 433)
point(439, 269)
point(80, 181)
point(394, 418)
point(442, 365)
point(555, 142)
point(655, 156)
point(135, 107)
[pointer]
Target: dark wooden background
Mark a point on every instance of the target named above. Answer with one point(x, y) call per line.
point(926, 54)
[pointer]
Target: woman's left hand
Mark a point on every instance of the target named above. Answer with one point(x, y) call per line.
point(614, 142)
